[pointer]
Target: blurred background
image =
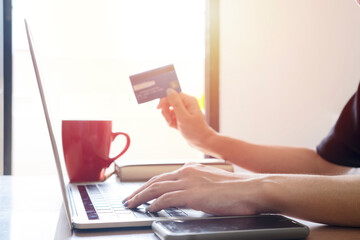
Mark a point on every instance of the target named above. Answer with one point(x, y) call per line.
point(286, 69)
point(86, 52)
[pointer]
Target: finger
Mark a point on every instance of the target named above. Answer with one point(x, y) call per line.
point(163, 177)
point(173, 120)
point(176, 102)
point(166, 112)
point(163, 103)
point(170, 199)
point(190, 103)
point(170, 117)
point(155, 190)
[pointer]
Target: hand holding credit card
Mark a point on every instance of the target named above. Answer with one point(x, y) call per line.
point(153, 84)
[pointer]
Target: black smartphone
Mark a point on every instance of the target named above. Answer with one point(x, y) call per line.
point(269, 226)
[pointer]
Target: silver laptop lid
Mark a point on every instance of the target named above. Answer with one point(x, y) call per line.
point(48, 122)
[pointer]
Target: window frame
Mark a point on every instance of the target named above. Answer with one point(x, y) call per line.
point(7, 67)
point(212, 64)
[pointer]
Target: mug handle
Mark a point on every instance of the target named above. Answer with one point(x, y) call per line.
point(114, 135)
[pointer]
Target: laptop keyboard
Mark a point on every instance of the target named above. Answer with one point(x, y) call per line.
point(104, 201)
point(88, 205)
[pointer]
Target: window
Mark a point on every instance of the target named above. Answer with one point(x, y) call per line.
point(86, 51)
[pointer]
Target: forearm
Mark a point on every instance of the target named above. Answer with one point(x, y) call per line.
point(333, 200)
point(268, 159)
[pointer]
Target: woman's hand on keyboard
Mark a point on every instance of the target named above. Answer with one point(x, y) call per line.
point(204, 188)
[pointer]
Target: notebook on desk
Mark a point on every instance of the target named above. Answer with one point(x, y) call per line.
point(142, 170)
point(99, 205)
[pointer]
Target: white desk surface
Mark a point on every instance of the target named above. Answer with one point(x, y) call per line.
point(31, 208)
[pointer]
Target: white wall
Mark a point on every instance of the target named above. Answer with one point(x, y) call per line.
point(287, 68)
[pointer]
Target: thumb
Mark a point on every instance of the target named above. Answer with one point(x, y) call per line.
point(176, 102)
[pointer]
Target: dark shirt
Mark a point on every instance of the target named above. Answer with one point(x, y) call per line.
point(342, 145)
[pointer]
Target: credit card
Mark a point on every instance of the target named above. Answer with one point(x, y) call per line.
point(153, 84)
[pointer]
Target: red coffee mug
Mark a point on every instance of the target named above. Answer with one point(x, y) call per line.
point(86, 146)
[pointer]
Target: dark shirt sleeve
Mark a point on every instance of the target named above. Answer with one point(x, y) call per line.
point(342, 145)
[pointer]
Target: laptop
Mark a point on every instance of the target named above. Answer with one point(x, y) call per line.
point(99, 204)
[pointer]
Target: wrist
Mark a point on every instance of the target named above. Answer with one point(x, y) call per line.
point(254, 195)
point(208, 142)
point(272, 191)
point(261, 193)
point(219, 146)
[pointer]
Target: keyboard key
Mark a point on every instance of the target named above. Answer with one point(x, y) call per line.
point(175, 212)
point(123, 211)
point(140, 214)
point(107, 215)
point(127, 216)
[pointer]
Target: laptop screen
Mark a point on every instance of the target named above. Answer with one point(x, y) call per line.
point(48, 122)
